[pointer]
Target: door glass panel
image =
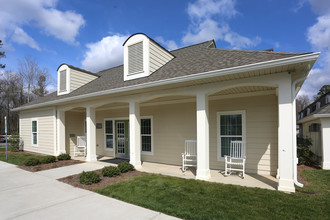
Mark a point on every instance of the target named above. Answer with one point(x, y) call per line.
point(121, 137)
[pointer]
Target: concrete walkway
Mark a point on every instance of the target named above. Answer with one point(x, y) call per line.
point(26, 195)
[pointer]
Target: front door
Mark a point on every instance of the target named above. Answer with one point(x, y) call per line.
point(122, 140)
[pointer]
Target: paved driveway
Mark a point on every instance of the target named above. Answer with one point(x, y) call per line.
point(26, 195)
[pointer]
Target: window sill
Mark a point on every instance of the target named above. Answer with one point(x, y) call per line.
point(147, 153)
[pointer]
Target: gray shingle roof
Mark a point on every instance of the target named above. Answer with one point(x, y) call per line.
point(189, 60)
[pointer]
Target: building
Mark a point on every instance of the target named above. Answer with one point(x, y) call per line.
point(145, 109)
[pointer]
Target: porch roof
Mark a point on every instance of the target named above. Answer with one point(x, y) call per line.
point(188, 63)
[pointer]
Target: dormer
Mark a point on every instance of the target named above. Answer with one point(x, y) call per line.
point(70, 78)
point(143, 56)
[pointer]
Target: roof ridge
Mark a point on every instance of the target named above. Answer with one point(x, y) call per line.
point(192, 45)
point(262, 51)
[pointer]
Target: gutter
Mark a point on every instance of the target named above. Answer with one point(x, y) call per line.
point(209, 74)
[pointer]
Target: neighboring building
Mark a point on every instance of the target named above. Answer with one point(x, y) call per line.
point(314, 123)
point(145, 109)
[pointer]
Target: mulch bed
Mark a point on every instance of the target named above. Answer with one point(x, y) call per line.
point(302, 167)
point(105, 181)
point(47, 166)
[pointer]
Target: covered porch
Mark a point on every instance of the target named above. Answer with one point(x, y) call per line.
point(193, 113)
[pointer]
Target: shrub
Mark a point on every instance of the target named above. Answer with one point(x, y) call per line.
point(110, 171)
point(305, 155)
point(48, 159)
point(125, 167)
point(31, 162)
point(89, 178)
point(14, 142)
point(64, 157)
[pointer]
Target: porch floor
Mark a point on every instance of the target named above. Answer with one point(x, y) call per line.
point(250, 180)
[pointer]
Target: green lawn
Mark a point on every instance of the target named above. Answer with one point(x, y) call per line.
point(17, 159)
point(193, 199)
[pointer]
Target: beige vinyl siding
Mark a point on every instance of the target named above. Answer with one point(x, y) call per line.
point(315, 136)
point(158, 57)
point(78, 79)
point(121, 113)
point(46, 138)
point(74, 124)
point(172, 124)
point(261, 131)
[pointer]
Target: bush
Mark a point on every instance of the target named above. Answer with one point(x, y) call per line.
point(305, 155)
point(125, 167)
point(14, 142)
point(31, 162)
point(89, 178)
point(64, 157)
point(110, 171)
point(48, 159)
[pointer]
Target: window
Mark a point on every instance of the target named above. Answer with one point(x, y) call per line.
point(135, 58)
point(308, 111)
point(34, 132)
point(231, 127)
point(109, 134)
point(315, 127)
point(63, 81)
point(318, 105)
point(146, 135)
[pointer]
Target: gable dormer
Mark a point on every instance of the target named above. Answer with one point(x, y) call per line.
point(70, 78)
point(143, 56)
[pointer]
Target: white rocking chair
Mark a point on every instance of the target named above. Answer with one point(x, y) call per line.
point(80, 148)
point(237, 158)
point(189, 157)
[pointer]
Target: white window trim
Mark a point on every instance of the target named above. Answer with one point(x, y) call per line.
point(32, 120)
point(146, 56)
point(68, 72)
point(243, 113)
point(105, 135)
point(152, 136)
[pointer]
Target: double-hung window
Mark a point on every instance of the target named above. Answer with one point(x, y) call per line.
point(146, 135)
point(231, 127)
point(109, 135)
point(34, 132)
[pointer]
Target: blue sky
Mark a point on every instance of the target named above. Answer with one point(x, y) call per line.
point(89, 34)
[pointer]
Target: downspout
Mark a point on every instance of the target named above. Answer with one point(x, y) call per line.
point(294, 130)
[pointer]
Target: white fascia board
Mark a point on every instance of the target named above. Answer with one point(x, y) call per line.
point(250, 67)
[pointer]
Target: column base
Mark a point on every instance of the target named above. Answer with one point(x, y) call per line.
point(286, 185)
point(203, 174)
point(91, 158)
point(326, 165)
point(137, 164)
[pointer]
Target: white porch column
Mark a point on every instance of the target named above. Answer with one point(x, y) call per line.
point(285, 135)
point(60, 118)
point(325, 143)
point(134, 134)
point(91, 134)
point(203, 164)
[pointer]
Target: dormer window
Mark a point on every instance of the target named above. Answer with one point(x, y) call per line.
point(135, 58)
point(318, 105)
point(302, 114)
point(63, 80)
point(308, 111)
point(327, 100)
point(143, 56)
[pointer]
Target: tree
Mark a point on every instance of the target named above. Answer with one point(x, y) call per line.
point(35, 78)
point(2, 54)
point(302, 102)
point(324, 90)
point(40, 89)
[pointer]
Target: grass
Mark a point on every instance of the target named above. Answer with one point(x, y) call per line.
point(17, 159)
point(193, 199)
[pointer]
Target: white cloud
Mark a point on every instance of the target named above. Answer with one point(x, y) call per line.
point(105, 53)
point(169, 44)
point(209, 21)
point(19, 36)
point(42, 14)
point(318, 36)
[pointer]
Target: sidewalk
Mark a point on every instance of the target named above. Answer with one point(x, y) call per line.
point(26, 195)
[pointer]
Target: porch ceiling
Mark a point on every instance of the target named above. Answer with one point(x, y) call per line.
point(244, 89)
